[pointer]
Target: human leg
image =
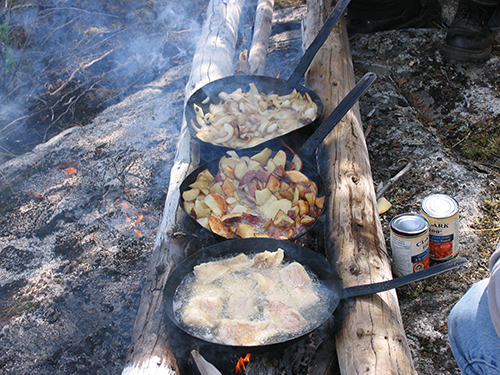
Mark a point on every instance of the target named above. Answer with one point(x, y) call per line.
point(473, 339)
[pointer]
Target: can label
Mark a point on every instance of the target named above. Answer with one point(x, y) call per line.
point(443, 237)
point(442, 213)
point(411, 254)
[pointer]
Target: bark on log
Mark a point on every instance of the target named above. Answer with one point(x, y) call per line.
point(372, 338)
point(260, 40)
point(151, 351)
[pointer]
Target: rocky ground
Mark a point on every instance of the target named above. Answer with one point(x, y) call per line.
point(80, 212)
point(412, 109)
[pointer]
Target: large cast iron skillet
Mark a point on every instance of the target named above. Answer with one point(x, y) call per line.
point(267, 85)
point(293, 252)
point(305, 151)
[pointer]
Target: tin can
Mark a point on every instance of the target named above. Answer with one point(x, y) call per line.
point(410, 242)
point(442, 213)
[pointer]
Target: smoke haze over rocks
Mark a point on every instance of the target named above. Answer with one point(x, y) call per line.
point(62, 62)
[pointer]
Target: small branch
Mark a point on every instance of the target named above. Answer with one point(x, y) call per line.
point(13, 122)
point(58, 28)
point(391, 182)
point(483, 230)
point(66, 83)
point(88, 65)
point(57, 9)
point(70, 105)
point(463, 139)
point(78, 69)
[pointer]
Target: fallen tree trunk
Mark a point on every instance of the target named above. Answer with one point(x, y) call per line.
point(372, 338)
point(260, 40)
point(151, 349)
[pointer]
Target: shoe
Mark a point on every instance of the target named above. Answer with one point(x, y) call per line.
point(469, 38)
point(392, 15)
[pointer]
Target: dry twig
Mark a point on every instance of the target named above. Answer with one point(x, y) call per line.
point(391, 182)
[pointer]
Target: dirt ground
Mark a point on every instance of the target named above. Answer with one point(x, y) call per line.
point(74, 248)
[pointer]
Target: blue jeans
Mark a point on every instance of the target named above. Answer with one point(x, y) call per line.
point(473, 339)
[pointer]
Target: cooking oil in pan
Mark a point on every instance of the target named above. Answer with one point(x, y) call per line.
point(410, 242)
point(442, 213)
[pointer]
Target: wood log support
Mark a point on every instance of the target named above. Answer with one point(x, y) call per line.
point(371, 337)
point(151, 350)
point(260, 40)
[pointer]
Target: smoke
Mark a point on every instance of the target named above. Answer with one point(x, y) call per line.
point(64, 61)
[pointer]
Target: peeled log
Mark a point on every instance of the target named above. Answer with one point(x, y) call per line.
point(260, 40)
point(151, 351)
point(372, 338)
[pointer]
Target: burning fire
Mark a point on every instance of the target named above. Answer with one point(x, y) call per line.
point(240, 366)
point(70, 170)
point(132, 217)
point(288, 147)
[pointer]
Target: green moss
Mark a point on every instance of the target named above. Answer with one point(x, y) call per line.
point(20, 308)
point(412, 291)
point(288, 3)
point(487, 227)
point(482, 143)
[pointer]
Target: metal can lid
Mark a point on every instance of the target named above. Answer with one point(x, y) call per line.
point(439, 206)
point(409, 224)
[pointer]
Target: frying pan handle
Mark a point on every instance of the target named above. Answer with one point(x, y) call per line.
point(323, 34)
point(333, 119)
point(383, 286)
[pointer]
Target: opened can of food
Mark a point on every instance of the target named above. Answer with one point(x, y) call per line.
point(442, 213)
point(410, 242)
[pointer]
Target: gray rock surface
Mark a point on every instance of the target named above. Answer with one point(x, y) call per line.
point(418, 96)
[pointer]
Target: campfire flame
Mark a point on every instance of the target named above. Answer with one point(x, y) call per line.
point(129, 212)
point(70, 170)
point(240, 366)
point(288, 147)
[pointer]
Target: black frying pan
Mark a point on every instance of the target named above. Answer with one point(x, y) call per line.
point(267, 85)
point(305, 151)
point(311, 260)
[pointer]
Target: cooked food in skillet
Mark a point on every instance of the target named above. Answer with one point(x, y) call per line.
point(258, 196)
point(249, 300)
point(246, 119)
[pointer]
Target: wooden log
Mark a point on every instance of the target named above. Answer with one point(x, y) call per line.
point(260, 40)
point(372, 338)
point(151, 350)
point(214, 54)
